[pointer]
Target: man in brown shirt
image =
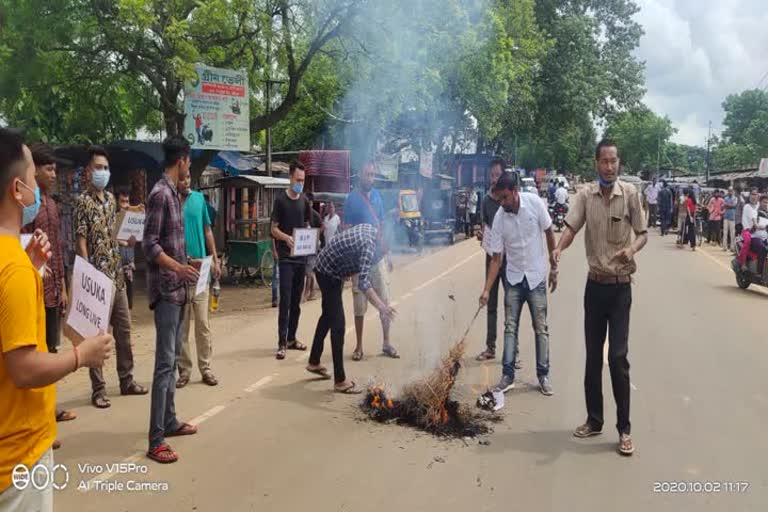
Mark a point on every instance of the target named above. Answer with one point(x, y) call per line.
point(612, 213)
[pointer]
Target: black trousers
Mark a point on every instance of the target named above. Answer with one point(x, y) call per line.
point(606, 308)
point(52, 328)
point(758, 247)
point(129, 292)
point(291, 288)
point(493, 305)
point(690, 232)
point(331, 319)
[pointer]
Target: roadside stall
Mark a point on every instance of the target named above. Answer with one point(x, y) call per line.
point(247, 209)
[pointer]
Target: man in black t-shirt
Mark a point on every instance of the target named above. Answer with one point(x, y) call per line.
point(290, 211)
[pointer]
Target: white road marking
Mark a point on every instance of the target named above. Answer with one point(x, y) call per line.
point(442, 275)
point(210, 413)
point(728, 269)
point(256, 385)
point(634, 388)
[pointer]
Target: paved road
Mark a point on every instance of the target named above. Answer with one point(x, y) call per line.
point(273, 439)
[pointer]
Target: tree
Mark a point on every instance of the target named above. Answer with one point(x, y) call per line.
point(745, 116)
point(641, 136)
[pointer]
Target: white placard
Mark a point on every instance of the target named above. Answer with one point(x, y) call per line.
point(90, 299)
point(25, 239)
point(132, 225)
point(305, 241)
point(205, 275)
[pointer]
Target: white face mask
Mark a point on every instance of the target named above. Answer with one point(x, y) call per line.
point(100, 178)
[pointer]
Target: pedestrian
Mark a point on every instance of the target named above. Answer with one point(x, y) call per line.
point(690, 219)
point(551, 190)
point(666, 205)
point(168, 275)
point(127, 249)
point(95, 215)
point(488, 208)
point(331, 223)
point(200, 243)
point(696, 189)
point(290, 211)
point(615, 232)
point(740, 193)
point(652, 197)
point(561, 194)
point(354, 251)
point(315, 221)
point(54, 281)
point(682, 215)
point(365, 206)
point(519, 230)
point(730, 203)
point(715, 207)
point(28, 371)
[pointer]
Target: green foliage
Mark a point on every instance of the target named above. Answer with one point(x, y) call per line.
point(642, 137)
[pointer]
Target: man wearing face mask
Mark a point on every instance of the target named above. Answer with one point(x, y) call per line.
point(290, 211)
point(28, 371)
point(616, 230)
point(519, 229)
point(95, 214)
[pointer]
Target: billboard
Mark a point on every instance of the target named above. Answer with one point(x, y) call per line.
point(217, 109)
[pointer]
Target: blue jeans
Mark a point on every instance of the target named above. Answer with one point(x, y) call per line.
point(169, 319)
point(514, 298)
point(275, 280)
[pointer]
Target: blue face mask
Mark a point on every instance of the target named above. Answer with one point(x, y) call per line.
point(603, 183)
point(298, 187)
point(29, 213)
point(100, 178)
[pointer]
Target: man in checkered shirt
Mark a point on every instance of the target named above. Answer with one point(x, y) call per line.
point(354, 251)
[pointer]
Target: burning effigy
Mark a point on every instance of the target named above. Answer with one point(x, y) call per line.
point(427, 404)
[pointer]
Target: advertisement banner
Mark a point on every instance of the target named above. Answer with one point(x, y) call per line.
point(217, 109)
point(388, 166)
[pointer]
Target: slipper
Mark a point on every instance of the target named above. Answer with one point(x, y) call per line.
point(322, 372)
point(101, 402)
point(280, 353)
point(352, 389)
point(296, 345)
point(65, 416)
point(185, 429)
point(210, 379)
point(134, 389)
point(357, 355)
point(485, 355)
point(390, 351)
point(163, 454)
point(182, 381)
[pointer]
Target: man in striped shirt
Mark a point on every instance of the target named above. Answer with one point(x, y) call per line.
point(355, 251)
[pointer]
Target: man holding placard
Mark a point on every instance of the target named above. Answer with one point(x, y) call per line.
point(200, 244)
point(168, 275)
point(95, 216)
point(289, 213)
point(28, 371)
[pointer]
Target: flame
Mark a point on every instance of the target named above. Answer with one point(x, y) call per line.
point(380, 399)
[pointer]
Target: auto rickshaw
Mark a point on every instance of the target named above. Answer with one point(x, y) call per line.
point(406, 216)
point(438, 209)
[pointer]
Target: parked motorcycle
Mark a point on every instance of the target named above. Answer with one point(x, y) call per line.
point(745, 278)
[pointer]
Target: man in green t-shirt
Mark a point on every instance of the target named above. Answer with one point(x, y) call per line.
point(200, 243)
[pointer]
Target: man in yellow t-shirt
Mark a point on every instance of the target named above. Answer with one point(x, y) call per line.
point(27, 371)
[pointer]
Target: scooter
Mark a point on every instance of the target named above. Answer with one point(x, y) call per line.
point(557, 214)
point(750, 276)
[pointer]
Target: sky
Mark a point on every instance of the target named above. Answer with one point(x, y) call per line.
point(696, 53)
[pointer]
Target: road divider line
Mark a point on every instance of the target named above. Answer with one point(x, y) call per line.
point(443, 274)
point(210, 413)
point(259, 383)
point(727, 268)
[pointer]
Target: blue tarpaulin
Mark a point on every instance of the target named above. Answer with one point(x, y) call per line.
point(234, 162)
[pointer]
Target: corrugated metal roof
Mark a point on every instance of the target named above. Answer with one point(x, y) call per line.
point(264, 181)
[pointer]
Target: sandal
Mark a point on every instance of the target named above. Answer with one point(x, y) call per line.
point(134, 389)
point(182, 381)
point(101, 402)
point(210, 379)
point(185, 429)
point(296, 345)
point(280, 353)
point(586, 430)
point(486, 355)
point(322, 371)
point(625, 445)
point(357, 355)
point(390, 351)
point(351, 389)
point(65, 416)
point(163, 454)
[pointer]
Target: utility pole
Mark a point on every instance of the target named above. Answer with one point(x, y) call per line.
point(709, 154)
point(658, 156)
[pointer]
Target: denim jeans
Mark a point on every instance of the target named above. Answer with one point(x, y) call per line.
point(169, 319)
point(493, 304)
point(514, 298)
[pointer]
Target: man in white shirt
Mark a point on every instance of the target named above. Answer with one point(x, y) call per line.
point(518, 232)
point(749, 214)
point(561, 195)
point(652, 197)
point(331, 223)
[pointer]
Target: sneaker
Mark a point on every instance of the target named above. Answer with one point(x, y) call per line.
point(545, 386)
point(505, 384)
point(587, 430)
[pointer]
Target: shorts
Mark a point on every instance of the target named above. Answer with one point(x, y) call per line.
point(380, 280)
